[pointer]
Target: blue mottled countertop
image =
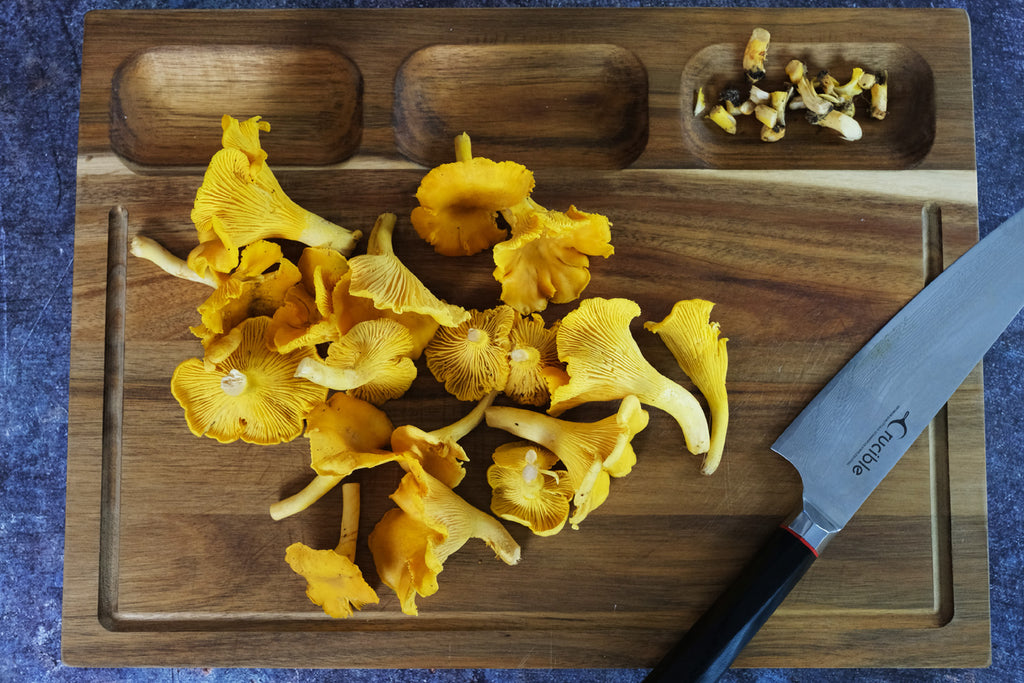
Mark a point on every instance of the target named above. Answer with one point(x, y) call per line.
point(40, 60)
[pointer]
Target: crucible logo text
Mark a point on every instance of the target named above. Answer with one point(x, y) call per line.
point(893, 430)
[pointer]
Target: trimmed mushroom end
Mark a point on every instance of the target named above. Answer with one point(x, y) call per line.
point(754, 54)
point(723, 119)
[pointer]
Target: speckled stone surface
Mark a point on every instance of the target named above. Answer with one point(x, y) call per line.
point(40, 59)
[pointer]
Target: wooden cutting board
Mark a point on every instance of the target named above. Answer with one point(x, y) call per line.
point(807, 246)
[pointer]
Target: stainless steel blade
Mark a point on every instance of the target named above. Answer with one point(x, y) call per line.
point(855, 430)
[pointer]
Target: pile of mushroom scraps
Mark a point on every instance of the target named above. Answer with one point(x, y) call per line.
point(826, 101)
point(317, 347)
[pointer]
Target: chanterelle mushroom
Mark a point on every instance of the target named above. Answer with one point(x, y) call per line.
point(604, 363)
point(240, 201)
point(307, 317)
point(460, 201)
point(438, 451)
point(349, 309)
point(380, 275)
point(257, 287)
point(525, 489)
point(411, 543)
point(591, 451)
point(345, 434)
point(701, 353)
point(333, 580)
point(371, 361)
point(532, 355)
point(149, 249)
point(547, 257)
point(471, 359)
point(251, 395)
point(245, 137)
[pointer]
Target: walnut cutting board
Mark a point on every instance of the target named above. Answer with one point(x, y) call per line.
point(807, 247)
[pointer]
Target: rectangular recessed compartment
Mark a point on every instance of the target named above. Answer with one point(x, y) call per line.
point(552, 105)
point(900, 141)
point(166, 102)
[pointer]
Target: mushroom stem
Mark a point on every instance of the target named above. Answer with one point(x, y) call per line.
point(687, 412)
point(380, 241)
point(157, 254)
point(349, 520)
point(314, 491)
point(532, 474)
point(719, 425)
point(497, 538)
point(846, 126)
point(754, 54)
point(880, 96)
point(540, 428)
point(467, 423)
point(320, 232)
point(521, 355)
point(234, 382)
point(318, 372)
point(463, 148)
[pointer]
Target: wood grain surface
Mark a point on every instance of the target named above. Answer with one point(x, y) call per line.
point(807, 247)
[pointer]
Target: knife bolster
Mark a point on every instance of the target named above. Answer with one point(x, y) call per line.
point(809, 531)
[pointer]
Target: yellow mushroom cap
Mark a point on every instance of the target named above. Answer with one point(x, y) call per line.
point(306, 315)
point(604, 363)
point(425, 497)
point(410, 545)
point(438, 451)
point(442, 458)
point(404, 555)
point(333, 581)
point(371, 361)
point(460, 201)
point(245, 137)
point(322, 268)
point(471, 359)
point(241, 201)
point(695, 344)
point(547, 258)
point(346, 433)
point(254, 289)
point(297, 323)
point(251, 395)
point(754, 54)
point(349, 309)
point(532, 353)
point(380, 275)
point(590, 451)
point(216, 252)
point(524, 488)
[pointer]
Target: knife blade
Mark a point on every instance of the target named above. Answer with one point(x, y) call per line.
point(852, 433)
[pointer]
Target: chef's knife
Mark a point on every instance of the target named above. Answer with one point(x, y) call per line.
point(852, 433)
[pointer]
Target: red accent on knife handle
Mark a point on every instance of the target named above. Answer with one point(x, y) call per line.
point(801, 539)
point(714, 641)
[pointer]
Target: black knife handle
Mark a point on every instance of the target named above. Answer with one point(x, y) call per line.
point(714, 641)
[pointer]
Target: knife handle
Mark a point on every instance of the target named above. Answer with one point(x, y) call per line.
point(714, 641)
